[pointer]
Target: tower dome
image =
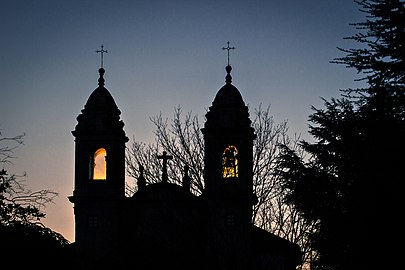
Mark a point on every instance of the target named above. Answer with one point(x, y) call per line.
point(101, 98)
point(100, 114)
point(228, 109)
point(228, 95)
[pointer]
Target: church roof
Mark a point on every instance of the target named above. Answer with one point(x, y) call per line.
point(268, 242)
point(163, 192)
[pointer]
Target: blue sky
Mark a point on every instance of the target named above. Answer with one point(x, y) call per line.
point(161, 54)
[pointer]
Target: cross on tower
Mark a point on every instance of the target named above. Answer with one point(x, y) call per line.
point(228, 49)
point(102, 51)
point(165, 157)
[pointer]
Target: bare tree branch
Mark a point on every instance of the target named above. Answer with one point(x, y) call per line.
point(182, 138)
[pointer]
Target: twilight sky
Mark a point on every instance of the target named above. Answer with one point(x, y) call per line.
point(161, 54)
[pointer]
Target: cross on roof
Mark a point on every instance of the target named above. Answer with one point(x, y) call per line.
point(228, 49)
point(102, 51)
point(165, 157)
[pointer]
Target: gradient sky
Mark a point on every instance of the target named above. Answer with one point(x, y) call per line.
point(161, 54)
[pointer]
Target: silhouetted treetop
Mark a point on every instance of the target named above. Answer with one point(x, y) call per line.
point(381, 56)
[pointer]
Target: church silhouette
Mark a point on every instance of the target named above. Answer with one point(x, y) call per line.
point(164, 225)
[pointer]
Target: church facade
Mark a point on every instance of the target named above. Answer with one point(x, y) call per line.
point(164, 224)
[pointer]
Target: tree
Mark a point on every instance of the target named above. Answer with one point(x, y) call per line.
point(350, 182)
point(182, 138)
point(380, 57)
point(21, 230)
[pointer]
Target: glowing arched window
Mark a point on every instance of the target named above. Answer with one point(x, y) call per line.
point(230, 162)
point(100, 165)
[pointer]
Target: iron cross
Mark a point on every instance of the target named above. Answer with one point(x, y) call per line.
point(228, 49)
point(102, 51)
point(165, 157)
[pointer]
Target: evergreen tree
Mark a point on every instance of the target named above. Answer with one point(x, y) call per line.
point(381, 55)
point(351, 183)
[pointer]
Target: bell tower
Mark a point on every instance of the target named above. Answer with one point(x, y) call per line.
point(228, 170)
point(99, 184)
point(228, 137)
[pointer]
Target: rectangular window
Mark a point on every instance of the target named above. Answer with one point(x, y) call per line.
point(93, 222)
point(230, 220)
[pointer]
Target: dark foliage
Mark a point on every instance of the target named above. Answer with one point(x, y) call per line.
point(350, 184)
point(381, 54)
point(25, 241)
